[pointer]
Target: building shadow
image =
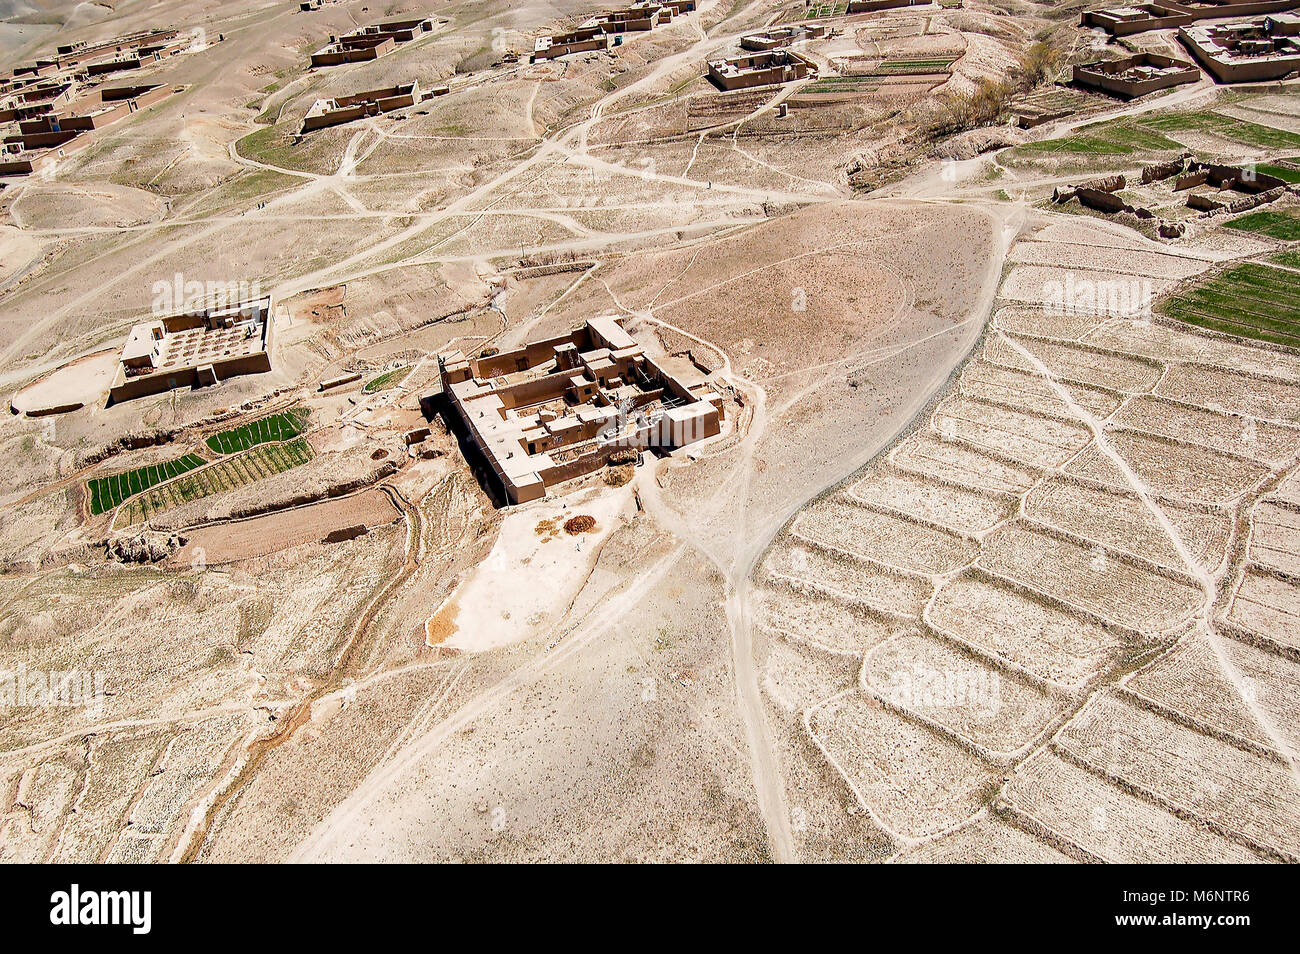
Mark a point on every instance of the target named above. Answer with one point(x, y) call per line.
point(437, 407)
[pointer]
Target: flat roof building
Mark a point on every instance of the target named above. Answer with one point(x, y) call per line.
point(1169, 14)
point(760, 69)
point(131, 51)
point(49, 134)
point(560, 408)
point(599, 32)
point(195, 349)
point(576, 41)
point(371, 102)
point(370, 42)
point(640, 16)
point(1246, 51)
point(776, 37)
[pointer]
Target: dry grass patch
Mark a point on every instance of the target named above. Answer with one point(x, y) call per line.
point(890, 540)
point(1108, 823)
point(916, 780)
point(1024, 630)
point(1092, 578)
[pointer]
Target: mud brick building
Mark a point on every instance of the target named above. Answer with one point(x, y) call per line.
point(195, 349)
point(1136, 75)
point(560, 408)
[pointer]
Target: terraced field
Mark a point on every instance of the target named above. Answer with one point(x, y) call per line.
point(264, 460)
point(817, 11)
point(389, 379)
point(1285, 173)
point(1061, 652)
point(1160, 133)
point(843, 84)
point(107, 492)
point(1278, 224)
point(1251, 300)
point(905, 66)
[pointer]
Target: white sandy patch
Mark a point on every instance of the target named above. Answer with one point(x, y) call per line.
point(533, 574)
point(83, 381)
point(17, 250)
point(1085, 233)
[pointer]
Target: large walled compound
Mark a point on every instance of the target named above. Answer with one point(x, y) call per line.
point(1170, 15)
point(196, 348)
point(1135, 75)
point(370, 42)
point(760, 69)
point(560, 408)
point(1246, 51)
point(604, 30)
point(371, 102)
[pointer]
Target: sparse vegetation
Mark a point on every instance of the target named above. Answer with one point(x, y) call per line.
point(1039, 63)
point(270, 145)
point(1284, 224)
point(1158, 133)
point(981, 106)
point(1285, 173)
point(389, 379)
point(583, 523)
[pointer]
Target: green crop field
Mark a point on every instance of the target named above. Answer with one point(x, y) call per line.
point(264, 460)
point(277, 427)
point(820, 10)
point(1280, 225)
point(389, 379)
point(1160, 133)
point(1251, 300)
point(1282, 172)
point(107, 492)
point(905, 67)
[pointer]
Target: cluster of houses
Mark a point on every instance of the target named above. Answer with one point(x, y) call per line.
point(1235, 42)
point(50, 106)
point(370, 42)
point(605, 30)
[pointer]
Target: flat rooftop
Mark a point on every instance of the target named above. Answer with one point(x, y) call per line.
point(1273, 38)
point(192, 339)
point(557, 408)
